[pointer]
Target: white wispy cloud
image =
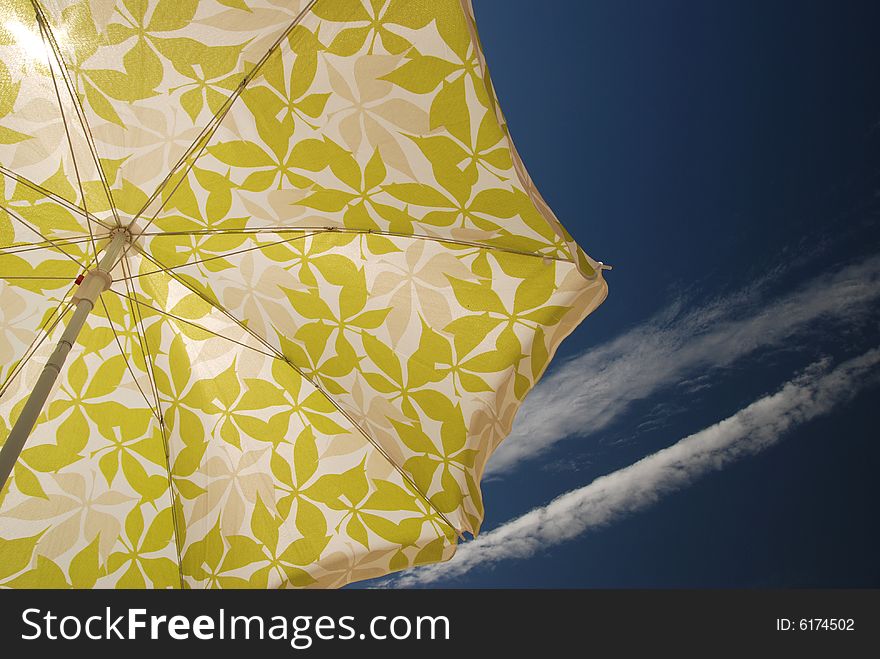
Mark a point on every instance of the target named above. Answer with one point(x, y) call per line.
point(754, 428)
point(592, 391)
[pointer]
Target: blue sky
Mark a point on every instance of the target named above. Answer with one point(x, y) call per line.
point(725, 158)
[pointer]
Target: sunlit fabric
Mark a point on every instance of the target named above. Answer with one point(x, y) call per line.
point(342, 284)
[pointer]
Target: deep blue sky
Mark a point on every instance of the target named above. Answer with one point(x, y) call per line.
point(698, 146)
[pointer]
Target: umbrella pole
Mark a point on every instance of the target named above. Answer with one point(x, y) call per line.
point(93, 284)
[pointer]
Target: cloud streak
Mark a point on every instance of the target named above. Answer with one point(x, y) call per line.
point(592, 391)
point(751, 430)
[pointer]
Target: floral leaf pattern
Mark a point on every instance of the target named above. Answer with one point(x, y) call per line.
point(342, 286)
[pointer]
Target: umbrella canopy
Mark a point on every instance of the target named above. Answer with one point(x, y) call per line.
point(330, 283)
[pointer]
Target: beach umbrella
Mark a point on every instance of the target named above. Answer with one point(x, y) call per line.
point(273, 284)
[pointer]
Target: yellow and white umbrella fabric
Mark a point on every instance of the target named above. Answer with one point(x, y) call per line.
point(313, 279)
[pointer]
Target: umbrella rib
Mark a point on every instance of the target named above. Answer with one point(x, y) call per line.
point(379, 232)
point(406, 477)
point(224, 255)
point(210, 128)
point(79, 184)
point(174, 519)
point(34, 277)
point(21, 248)
point(124, 357)
point(196, 325)
point(211, 302)
point(240, 231)
point(148, 359)
point(173, 190)
point(42, 334)
point(61, 201)
point(80, 112)
point(302, 374)
point(142, 337)
point(53, 243)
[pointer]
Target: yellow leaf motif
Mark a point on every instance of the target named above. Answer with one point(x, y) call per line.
point(341, 285)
